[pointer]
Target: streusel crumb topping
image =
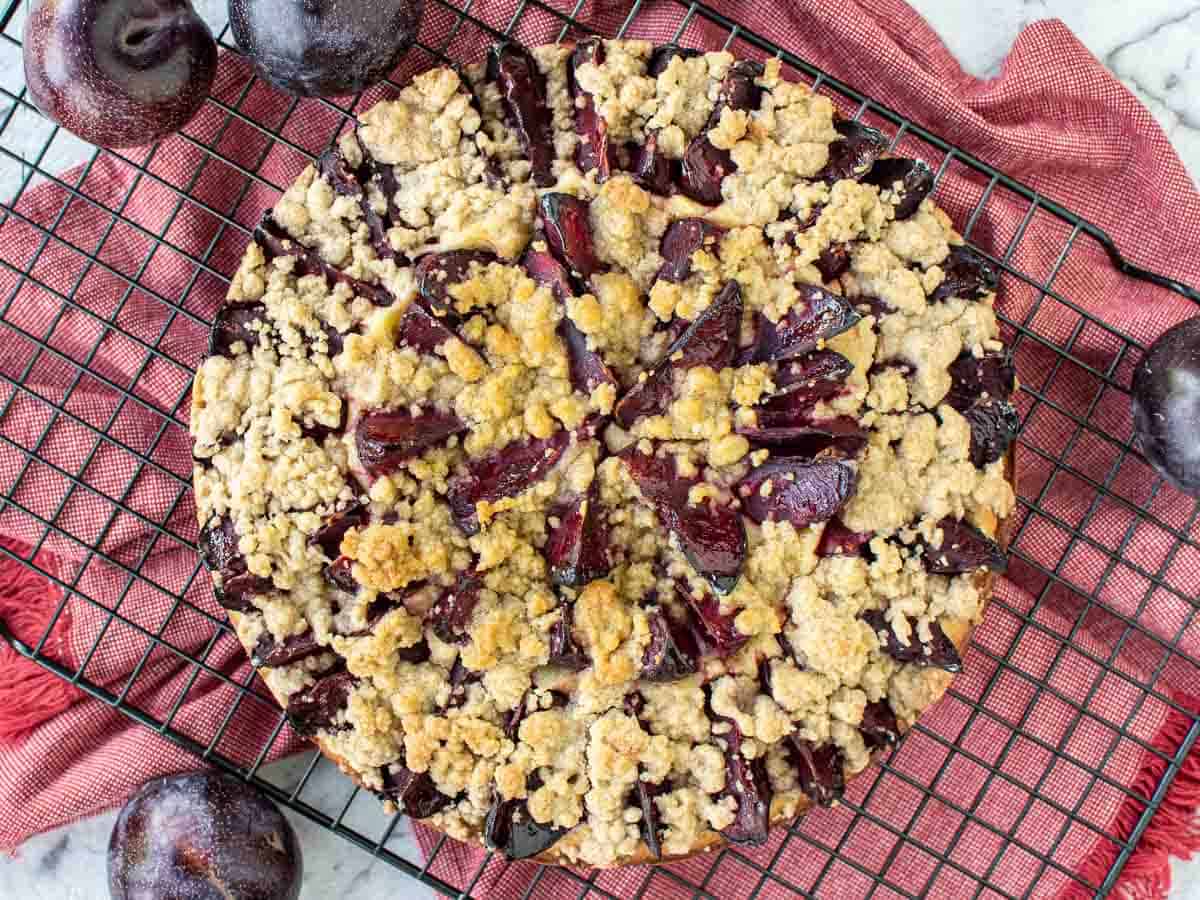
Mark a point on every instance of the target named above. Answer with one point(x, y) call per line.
point(603, 447)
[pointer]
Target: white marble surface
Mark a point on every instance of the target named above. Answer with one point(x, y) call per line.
point(1150, 44)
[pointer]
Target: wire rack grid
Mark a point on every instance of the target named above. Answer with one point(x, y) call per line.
point(247, 148)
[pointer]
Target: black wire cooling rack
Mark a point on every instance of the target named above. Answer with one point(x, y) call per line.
point(1068, 609)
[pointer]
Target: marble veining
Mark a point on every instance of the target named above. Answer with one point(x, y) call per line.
point(1151, 45)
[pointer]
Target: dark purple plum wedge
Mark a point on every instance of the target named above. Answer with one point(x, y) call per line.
point(879, 728)
point(510, 829)
point(838, 540)
point(682, 239)
point(964, 549)
point(820, 768)
point(436, 273)
point(450, 615)
point(800, 491)
point(414, 792)
point(569, 233)
point(275, 242)
point(855, 153)
point(523, 90)
point(1166, 405)
point(564, 649)
point(939, 652)
point(747, 783)
point(594, 151)
point(422, 330)
point(711, 535)
point(232, 325)
point(663, 659)
point(505, 473)
point(822, 316)
point(577, 551)
point(661, 58)
point(270, 653)
point(703, 170)
point(218, 543)
point(386, 439)
point(652, 169)
point(315, 708)
point(968, 276)
point(914, 177)
point(711, 340)
point(336, 170)
point(329, 536)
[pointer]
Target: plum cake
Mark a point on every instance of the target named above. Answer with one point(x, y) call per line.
point(603, 450)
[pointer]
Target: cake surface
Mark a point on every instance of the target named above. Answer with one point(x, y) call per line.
point(604, 450)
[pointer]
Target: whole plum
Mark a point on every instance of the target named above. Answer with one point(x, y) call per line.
point(118, 73)
point(325, 47)
point(1166, 405)
point(202, 836)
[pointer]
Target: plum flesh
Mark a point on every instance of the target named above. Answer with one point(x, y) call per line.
point(1166, 405)
point(115, 72)
point(202, 836)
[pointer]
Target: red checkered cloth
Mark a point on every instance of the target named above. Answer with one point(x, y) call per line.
point(1010, 757)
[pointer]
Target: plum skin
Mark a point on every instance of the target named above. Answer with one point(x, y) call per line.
point(325, 48)
point(202, 836)
point(1165, 401)
point(118, 73)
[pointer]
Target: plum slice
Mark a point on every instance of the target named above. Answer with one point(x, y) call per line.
point(939, 652)
point(569, 233)
point(422, 330)
point(979, 377)
point(664, 660)
point(436, 273)
point(838, 540)
point(586, 367)
point(340, 574)
point(336, 170)
point(660, 58)
point(414, 792)
point(451, 614)
point(459, 679)
point(270, 653)
point(853, 155)
point(218, 545)
point(578, 548)
point(822, 316)
point(820, 768)
point(232, 325)
point(276, 242)
point(386, 438)
point(650, 825)
point(681, 240)
point(879, 728)
point(703, 169)
point(504, 473)
point(747, 783)
point(914, 177)
point(994, 425)
point(834, 261)
point(594, 151)
point(329, 536)
point(711, 535)
point(964, 549)
point(564, 649)
point(717, 634)
point(711, 340)
point(968, 275)
point(316, 707)
point(510, 829)
point(821, 375)
point(738, 89)
point(800, 491)
point(523, 90)
point(652, 169)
